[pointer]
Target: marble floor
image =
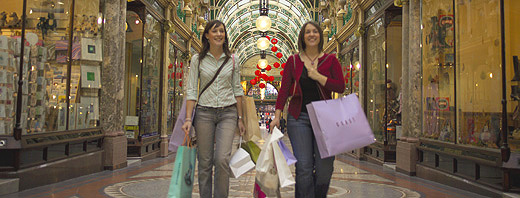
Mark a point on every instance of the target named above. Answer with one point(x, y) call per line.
point(351, 178)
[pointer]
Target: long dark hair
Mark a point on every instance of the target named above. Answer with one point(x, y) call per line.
point(205, 42)
point(301, 42)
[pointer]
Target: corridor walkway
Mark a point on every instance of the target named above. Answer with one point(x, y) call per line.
point(150, 179)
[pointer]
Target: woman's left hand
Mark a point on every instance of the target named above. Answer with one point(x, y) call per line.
point(241, 127)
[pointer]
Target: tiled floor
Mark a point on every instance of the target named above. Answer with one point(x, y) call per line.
point(351, 178)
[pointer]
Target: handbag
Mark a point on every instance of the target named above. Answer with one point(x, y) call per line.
point(240, 162)
point(178, 133)
point(182, 180)
point(339, 125)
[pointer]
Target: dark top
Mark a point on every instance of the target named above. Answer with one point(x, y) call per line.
point(310, 92)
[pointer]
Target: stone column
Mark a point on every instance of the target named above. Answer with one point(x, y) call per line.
point(405, 96)
point(111, 103)
point(164, 76)
point(361, 54)
point(415, 68)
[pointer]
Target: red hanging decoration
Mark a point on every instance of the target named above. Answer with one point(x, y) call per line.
point(257, 72)
point(257, 79)
point(252, 81)
point(346, 80)
point(172, 75)
point(181, 65)
point(274, 41)
point(281, 72)
point(264, 76)
point(274, 49)
point(276, 65)
point(283, 65)
point(262, 85)
point(353, 74)
point(356, 83)
point(279, 55)
point(268, 68)
point(271, 78)
point(268, 38)
point(170, 66)
point(180, 83)
point(258, 67)
point(348, 75)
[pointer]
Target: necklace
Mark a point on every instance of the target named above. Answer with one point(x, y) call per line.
point(312, 60)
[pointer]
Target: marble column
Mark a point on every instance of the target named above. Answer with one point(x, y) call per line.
point(414, 72)
point(164, 77)
point(405, 98)
point(113, 79)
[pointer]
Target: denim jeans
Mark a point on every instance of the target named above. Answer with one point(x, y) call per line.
point(313, 174)
point(215, 128)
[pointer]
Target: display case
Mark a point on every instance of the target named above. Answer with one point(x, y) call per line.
point(350, 65)
point(465, 52)
point(144, 46)
point(383, 72)
point(55, 54)
point(176, 73)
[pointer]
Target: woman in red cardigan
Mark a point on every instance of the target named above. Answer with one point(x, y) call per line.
point(306, 73)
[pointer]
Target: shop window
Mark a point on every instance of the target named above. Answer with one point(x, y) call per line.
point(48, 104)
point(175, 83)
point(438, 57)
point(350, 66)
point(478, 72)
point(376, 85)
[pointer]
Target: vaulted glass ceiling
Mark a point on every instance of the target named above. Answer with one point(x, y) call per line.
point(287, 17)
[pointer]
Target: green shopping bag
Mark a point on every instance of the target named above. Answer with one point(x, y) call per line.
point(252, 149)
point(181, 184)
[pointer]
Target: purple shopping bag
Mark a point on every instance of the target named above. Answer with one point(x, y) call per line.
point(339, 125)
point(178, 134)
point(289, 157)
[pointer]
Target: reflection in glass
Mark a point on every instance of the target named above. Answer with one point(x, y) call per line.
point(149, 118)
point(438, 70)
point(134, 49)
point(478, 72)
point(376, 85)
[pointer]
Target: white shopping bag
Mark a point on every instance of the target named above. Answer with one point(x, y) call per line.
point(284, 173)
point(241, 162)
point(262, 163)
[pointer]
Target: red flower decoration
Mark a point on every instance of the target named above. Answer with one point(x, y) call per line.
point(279, 55)
point(353, 74)
point(276, 65)
point(274, 49)
point(274, 41)
point(262, 85)
point(252, 81)
point(281, 72)
point(283, 65)
point(346, 80)
point(348, 75)
point(268, 68)
point(257, 72)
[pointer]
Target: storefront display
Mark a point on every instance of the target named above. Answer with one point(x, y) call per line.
point(350, 65)
point(175, 82)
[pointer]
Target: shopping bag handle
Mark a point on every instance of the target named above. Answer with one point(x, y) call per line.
point(187, 140)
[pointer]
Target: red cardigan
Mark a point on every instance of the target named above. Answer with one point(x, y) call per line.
point(330, 68)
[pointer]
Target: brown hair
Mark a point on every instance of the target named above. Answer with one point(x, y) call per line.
point(301, 42)
point(205, 42)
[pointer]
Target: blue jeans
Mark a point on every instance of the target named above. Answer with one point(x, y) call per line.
point(215, 128)
point(313, 174)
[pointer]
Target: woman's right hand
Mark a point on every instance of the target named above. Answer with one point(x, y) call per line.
point(186, 127)
point(274, 123)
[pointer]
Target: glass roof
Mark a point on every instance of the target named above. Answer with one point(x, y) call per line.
point(287, 17)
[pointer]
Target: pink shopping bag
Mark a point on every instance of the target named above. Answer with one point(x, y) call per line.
point(178, 134)
point(339, 125)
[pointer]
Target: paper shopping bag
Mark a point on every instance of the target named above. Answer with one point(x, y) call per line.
point(252, 149)
point(250, 120)
point(182, 180)
point(289, 157)
point(178, 134)
point(240, 162)
point(339, 125)
point(284, 172)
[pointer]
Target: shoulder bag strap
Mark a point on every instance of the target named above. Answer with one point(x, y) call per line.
point(214, 77)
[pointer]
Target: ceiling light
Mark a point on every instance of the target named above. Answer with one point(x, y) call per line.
point(262, 43)
point(263, 23)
